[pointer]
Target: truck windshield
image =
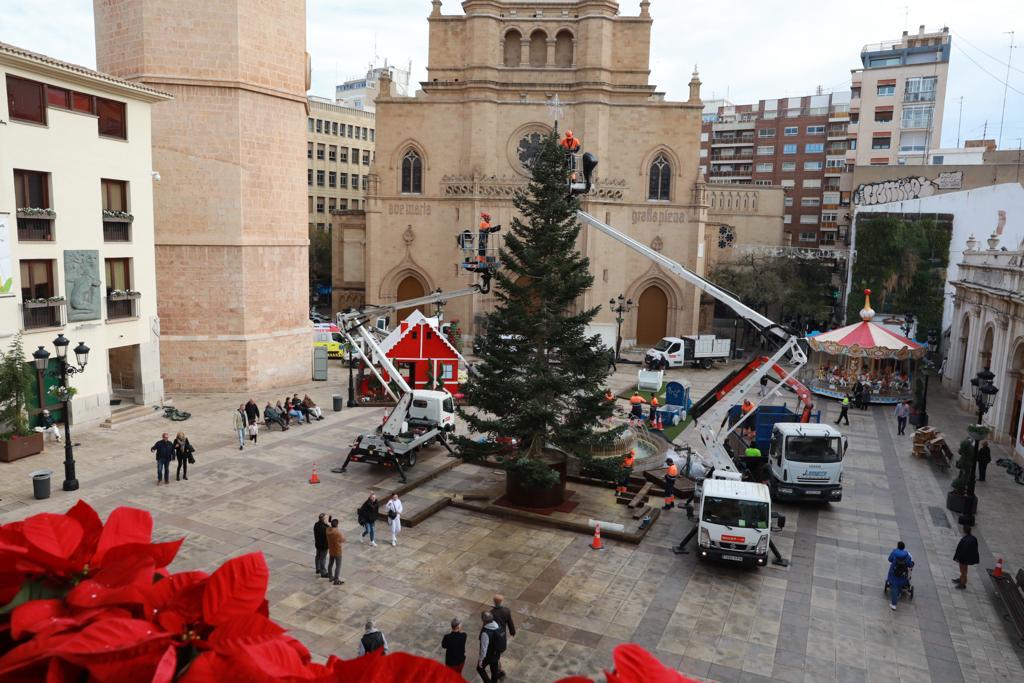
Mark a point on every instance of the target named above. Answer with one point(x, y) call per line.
point(662, 345)
point(747, 514)
point(813, 449)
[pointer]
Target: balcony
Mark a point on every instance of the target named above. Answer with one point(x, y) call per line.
point(726, 158)
point(41, 313)
point(36, 225)
point(731, 174)
point(925, 96)
point(117, 226)
point(122, 305)
point(722, 142)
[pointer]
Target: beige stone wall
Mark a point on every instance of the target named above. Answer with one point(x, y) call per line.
point(230, 210)
point(743, 215)
point(467, 132)
point(348, 260)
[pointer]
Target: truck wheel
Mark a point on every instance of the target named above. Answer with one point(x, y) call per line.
point(410, 460)
point(706, 363)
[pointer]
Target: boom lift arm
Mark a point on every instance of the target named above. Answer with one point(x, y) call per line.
point(715, 406)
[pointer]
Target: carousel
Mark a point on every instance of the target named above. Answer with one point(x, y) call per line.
point(867, 353)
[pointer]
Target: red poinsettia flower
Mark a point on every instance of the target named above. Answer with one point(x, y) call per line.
point(397, 667)
point(633, 664)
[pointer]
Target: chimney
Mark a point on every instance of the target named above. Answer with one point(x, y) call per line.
point(920, 30)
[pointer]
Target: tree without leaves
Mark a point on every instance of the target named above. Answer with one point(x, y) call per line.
point(781, 287)
point(540, 378)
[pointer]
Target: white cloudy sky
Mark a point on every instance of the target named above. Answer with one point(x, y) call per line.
point(746, 49)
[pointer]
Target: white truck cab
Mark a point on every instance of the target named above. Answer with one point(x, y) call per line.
point(806, 461)
point(735, 522)
point(673, 352)
point(431, 409)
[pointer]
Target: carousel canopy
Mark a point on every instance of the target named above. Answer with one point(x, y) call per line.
point(866, 339)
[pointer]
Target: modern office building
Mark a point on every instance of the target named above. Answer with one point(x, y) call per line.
point(361, 93)
point(798, 143)
point(340, 143)
point(76, 229)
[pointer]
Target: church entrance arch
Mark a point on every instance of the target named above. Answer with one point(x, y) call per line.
point(651, 316)
point(410, 288)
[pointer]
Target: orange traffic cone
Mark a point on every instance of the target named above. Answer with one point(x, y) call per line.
point(998, 571)
point(596, 543)
point(314, 478)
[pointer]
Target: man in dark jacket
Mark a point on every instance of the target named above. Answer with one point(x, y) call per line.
point(320, 543)
point(503, 615)
point(164, 450)
point(252, 411)
point(984, 458)
point(492, 644)
point(966, 554)
point(454, 645)
point(372, 640)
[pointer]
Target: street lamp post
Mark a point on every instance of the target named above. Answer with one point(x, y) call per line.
point(620, 306)
point(351, 382)
point(984, 392)
point(67, 369)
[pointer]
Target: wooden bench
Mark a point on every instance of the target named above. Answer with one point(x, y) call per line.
point(1012, 594)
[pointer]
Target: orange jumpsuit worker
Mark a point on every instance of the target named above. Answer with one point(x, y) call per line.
point(747, 406)
point(569, 143)
point(670, 484)
point(654, 408)
point(625, 471)
point(485, 230)
point(636, 407)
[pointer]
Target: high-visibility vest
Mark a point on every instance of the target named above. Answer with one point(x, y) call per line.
point(628, 461)
point(636, 399)
point(846, 401)
point(673, 471)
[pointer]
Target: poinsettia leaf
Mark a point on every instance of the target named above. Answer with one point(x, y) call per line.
point(33, 616)
point(181, 593)
point(92, 528)
point(33, 589)
point(52, 540)
point(634, 664)
point(247, 628)
point(124, 525)
point(167, 666)
point(575, 679)
point(10, 586)
point(270, 661)
point(238, 587)
point(397, 667)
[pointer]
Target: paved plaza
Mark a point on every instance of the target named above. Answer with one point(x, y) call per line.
point(823, 618)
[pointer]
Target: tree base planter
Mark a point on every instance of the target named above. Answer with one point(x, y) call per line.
point(521, 495)
point(965, 505)
point(19, 447)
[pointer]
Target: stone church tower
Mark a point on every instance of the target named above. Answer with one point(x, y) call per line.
point(230, 209)
point(462, 144)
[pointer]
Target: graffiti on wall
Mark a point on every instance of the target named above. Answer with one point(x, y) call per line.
point(901, 189)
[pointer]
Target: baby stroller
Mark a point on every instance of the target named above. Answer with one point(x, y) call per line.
point(907, 591)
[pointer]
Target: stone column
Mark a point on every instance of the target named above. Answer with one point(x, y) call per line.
point(230, 210)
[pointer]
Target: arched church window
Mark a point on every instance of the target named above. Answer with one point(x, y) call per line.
point(412, 173)
point(660, 179)
point(513, 48)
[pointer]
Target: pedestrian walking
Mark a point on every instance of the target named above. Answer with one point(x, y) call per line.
point(254, 431)
point(900, 564)
point(335, 541)
point(611, 361)
point(394, 511)
point(454, 645)
point(670, 484)
point(844, 410)
point(902, 414)
point(763, 391)
point(966, 555)
point(320, 544)
point(492, 643)
point(372, 640)
point(503, 615)
point(984, 458)
point(367, 517)
point(164, 450)
point(184, 454)
point(241, 422)
point(252, 411)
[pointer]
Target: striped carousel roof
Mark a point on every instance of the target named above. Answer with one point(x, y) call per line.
point(866, 339)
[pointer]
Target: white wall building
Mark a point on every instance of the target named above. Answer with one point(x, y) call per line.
point(76, 227)
point(988, 331)
point(979, 212)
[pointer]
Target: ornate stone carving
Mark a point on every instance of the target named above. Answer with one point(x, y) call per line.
point(1002, 320)
point(409, 236)
point(657, 244)
point(505, 187)
point(82, 283)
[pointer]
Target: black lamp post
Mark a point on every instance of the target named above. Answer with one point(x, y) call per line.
point(351, 382)
point(984, 392)
point(620, 306)
point(42, 357)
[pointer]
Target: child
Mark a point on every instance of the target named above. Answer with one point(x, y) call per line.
point(254, 431)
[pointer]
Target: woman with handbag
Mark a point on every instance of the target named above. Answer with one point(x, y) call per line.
point(394, 509)
point(184, 454)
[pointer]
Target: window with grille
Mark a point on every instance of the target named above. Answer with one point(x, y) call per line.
point(660, 179)
point(412, 173)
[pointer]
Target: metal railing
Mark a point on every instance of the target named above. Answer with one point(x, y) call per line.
point(117, 231)
point(122, 307)
point(35, 229)
point(36, 316)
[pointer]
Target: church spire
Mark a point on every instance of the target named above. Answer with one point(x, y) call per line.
point(695, 86)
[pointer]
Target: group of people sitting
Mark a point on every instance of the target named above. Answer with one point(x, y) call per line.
point(286, 411)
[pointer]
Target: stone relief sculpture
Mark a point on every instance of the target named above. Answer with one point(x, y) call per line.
point(82, 283)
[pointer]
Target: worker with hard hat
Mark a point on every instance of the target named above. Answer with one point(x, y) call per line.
point(569, 143)
point(626, 471)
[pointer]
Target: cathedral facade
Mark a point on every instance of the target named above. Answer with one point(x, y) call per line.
point(499, 78)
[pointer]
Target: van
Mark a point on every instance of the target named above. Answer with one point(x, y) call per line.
point(328, 335)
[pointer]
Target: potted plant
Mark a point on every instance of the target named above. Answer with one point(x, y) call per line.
point(535, 396)
point(17, 440)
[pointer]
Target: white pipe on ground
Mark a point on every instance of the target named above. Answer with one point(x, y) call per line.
point(606, 526)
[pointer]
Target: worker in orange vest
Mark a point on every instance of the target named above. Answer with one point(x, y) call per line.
point(569, 143)
point(670, 484)
point(747, 406)
point(625, 471)
point(654, 408)
point(636, 405)
point(485, 230)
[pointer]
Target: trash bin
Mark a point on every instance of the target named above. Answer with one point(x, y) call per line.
point(41, 483)
point(336, 399)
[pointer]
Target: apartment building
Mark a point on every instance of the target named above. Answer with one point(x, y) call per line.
point(897, 99)
point(76, 229)
point(361, 93)
point(339, 150)
point(798, 143)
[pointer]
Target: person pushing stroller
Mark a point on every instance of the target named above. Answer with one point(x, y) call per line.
point(900, 565)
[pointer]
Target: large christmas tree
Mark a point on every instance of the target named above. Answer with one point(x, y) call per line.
point(541, 377)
